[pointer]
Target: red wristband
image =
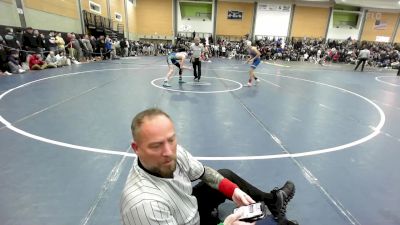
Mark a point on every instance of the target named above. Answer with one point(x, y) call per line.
point(227, 187)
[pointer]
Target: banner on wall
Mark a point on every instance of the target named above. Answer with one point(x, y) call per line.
point(382, 39)
point(273, 7)
point(235, 15)
point(380, 25)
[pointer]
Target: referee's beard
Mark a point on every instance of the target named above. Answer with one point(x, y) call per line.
point(167, 168)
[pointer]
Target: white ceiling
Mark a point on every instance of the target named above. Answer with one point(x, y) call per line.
point(378, 4)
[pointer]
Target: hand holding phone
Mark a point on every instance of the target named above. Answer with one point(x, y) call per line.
point(252, 212)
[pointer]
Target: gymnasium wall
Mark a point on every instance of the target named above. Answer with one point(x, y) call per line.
point(397, 37)
point(132, 21)
point(102, 3)
point(118, 6)
point(379, 24)
point(189, 22)
point(309, 22)
point(272, 19)
point(53, 15)
point(343, 33)
point(227, 26)
point(7, 18)
point(154, 17)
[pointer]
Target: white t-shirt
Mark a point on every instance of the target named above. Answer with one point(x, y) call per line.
point(151, 200)
point(197, 50)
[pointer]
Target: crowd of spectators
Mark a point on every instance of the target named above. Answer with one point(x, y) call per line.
point(312, 50)
point(31, 50)
point(21, 51)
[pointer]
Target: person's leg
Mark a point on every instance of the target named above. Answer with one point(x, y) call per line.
point(14, 68)
point(180, 72)
point(251, 75)
point(363, 64)
point(398, 71)
point(276, 200)
point(194, 64)
point(358, 64)
point(169, 75)
point(208, 200)
point(199, 68)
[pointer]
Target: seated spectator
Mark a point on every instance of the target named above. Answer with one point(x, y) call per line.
point(3, 58)
point(51, 60)
point(62, 60)
point(13, 62)
point(36, 62)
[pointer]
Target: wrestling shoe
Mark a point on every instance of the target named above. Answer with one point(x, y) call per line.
point(165, 84)
point(283, 196)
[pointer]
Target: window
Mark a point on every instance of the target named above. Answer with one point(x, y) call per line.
point(94, 7)
point(133, 2)
point(118, 17)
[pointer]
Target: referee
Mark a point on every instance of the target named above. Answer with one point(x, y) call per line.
point(197, 50)
point(159, 189)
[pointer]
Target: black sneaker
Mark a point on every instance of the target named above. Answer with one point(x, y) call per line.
point(283, 196)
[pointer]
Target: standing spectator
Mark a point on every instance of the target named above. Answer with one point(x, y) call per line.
point(3, 58)
point(40, 39)
point(93, 42)
point(362, 58)
point(29, 41)
point(101, 47)
point(11, 41)
point(124, 47)
point(108, 47)
point(88, 46)
point(51, 42)
point(60, 43)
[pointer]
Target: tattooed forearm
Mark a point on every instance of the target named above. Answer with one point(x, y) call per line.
point(211, 177)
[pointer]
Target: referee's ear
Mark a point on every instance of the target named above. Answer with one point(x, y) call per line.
point(134, 146)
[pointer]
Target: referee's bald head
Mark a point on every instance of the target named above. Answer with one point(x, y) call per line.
point(140, 117)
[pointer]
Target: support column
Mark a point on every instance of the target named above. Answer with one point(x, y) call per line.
point(289, 34)
point(329, 22)
point(175, 19)
point(79, 3)
point(109, 10)
point(215, 7)
point(21, 13)
point(362, 25)
point(251, 35)
point(395, 30)
point(126, 19)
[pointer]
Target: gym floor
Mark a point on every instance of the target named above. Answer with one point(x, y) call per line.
point(65, 136)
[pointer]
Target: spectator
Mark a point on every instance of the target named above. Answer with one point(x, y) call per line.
point(51, 42)
point(3, 58)
point(60, 43)
point(13, 62)
point(51, 60)
point(29, 41)
point(36, 62)
point(10, 40)
point(88, 47)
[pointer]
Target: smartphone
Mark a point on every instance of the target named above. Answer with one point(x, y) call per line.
point(252, 212)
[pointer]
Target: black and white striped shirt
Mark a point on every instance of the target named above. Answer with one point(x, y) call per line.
point(151, 200)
